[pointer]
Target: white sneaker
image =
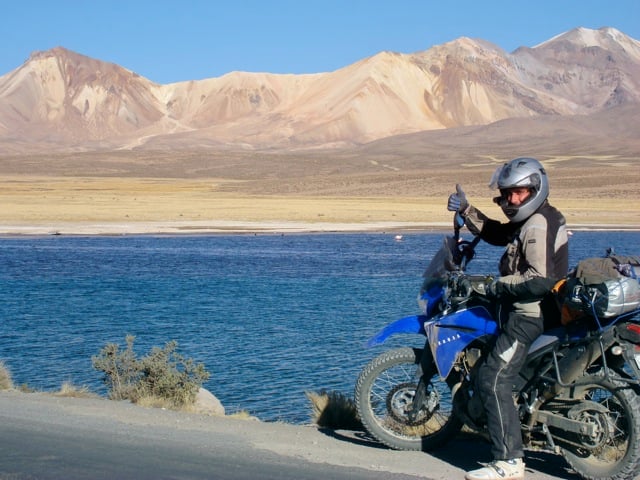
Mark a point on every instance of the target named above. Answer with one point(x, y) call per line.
point(499, 470)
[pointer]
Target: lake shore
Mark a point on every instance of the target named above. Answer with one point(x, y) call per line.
point(254, 228)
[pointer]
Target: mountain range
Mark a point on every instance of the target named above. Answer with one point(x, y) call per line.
point(62, 101)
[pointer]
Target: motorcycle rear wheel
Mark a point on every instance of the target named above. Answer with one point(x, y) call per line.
point(615, 452)
point(384, 396)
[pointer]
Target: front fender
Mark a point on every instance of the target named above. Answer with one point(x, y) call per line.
point(411, 324)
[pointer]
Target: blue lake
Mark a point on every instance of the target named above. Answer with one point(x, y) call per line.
point(270, 316)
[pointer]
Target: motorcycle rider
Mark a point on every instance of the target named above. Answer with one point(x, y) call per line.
point(536, 256)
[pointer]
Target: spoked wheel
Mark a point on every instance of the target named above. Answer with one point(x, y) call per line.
point(612, 451)
point(386, 392)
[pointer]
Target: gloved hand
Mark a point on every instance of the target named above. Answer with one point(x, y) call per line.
point(493, 289)
point(485, 286)
point(457, 201)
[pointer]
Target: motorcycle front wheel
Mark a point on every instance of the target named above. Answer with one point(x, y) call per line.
point(384, 397)
point(614, 451)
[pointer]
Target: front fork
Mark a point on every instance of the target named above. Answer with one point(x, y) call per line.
point(424, 400)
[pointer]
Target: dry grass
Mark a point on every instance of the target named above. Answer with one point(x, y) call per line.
point(58, 202)
point(243, 415)
point(66, 390)
point(353, 187)
point(144, 200)
point(6, 383)
point(333, 410)
point(69, 390)
point(150, 401)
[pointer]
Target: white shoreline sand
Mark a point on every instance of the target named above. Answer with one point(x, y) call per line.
point(238, 227)
point(210, 227)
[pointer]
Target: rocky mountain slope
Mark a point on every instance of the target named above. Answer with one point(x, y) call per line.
point(59, 100)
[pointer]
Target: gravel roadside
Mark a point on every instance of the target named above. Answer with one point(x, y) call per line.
point(302, 442)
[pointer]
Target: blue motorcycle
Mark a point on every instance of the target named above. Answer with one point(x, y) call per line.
point(578, 394)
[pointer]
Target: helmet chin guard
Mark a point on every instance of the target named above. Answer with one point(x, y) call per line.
point(521, 172)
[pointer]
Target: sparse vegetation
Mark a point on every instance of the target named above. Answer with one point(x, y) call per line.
point(6, 383)
point(70, 390)
point(243, 415)
point(588, 190)
point(333, 410)
point(66, 390)
point(163, 378)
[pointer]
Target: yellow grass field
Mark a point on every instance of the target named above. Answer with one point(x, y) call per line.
point(32, 204)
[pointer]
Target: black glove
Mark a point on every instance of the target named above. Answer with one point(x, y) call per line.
point(493, 289)
point(485, 286)
point(457, 201)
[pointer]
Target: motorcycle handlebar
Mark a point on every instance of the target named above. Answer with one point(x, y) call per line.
point(466, 285)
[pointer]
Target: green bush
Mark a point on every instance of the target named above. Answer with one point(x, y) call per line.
point(163, 374)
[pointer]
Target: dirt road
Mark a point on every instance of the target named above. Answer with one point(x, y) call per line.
point(46, 437)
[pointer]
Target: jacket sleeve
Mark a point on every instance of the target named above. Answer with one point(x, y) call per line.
point(489, 230)
point(524, 289)
point(532, 279)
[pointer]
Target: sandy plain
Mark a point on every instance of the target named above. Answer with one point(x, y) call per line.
point(192, 192)
point(36, 205)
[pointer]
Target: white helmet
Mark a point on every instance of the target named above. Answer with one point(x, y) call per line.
point(521, 172)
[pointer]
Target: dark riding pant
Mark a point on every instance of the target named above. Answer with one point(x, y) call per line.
point(496, 379)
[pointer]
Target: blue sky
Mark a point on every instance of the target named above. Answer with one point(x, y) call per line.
point(169, 41)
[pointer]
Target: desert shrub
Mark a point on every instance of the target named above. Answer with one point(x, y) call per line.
point(333, 410)
point(167, 374)
point(121, 369)
point(163, 374)
point(6, 383)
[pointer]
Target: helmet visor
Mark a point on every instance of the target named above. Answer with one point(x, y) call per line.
point(493, 183)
